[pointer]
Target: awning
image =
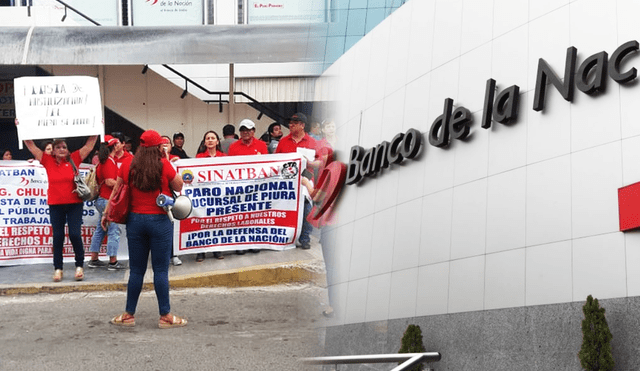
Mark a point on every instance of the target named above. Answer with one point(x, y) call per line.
point(110, 45)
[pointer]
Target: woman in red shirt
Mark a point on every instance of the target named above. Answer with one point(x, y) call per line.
point(210, 146)
point(65, 207)
point(106, 174)
point(149, 229)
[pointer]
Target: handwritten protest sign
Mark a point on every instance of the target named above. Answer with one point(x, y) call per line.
point(241, 202)
point(57, 107)
point(25, 228)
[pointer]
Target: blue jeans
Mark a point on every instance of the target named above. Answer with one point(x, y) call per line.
point(60, 215)
point(149, 233)
point(305, 232)
point(113, 232)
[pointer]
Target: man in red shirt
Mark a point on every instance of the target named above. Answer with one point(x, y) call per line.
point(247, 145)
point(298, 138)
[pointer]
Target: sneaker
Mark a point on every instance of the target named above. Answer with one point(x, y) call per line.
point(200, 257)
point(305, 246)
point(254, 251)
point(176, 261)
point(116, 266)
point(96, 263)
point(240, 252)
point(218, 255)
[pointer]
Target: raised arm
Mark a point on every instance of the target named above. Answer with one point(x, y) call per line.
point(35, 151)
point(86, 149)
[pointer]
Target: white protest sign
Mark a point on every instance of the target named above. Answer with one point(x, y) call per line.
point(57, 107)
point(241, 202)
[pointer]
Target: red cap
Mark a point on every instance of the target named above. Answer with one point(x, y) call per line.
point(111, 140)
point(166, 140)
point(150, 138)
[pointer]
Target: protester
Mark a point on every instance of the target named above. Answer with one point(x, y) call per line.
point(106, 174)
point(299, 139)
point(247, 145)
point(121, 155)
point(166, 153)
point(178, 142)
point(65, 207)
point(272, 136)
point(6, 155)
point(148, 227)
point(48, 147)
point(315, 130)
point(210, 147)
point(229, 134)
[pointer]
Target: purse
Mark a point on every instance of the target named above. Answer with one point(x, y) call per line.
point(119, 205)
point(82, 189)
point(91, 180)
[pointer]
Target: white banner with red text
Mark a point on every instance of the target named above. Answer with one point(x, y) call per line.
point(241, 202)
point(25, 229)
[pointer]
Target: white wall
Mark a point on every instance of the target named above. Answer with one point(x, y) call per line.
point(517, 215)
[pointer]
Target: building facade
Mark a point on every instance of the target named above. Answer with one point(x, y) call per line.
point(490, 239)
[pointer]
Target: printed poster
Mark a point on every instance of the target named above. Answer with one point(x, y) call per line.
point(241, 202)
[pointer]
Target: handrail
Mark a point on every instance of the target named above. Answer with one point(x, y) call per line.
point(408, 359)
point(79, 12)
point(220, 93)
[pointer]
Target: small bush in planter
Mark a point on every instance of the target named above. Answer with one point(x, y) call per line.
point(412, 343)
point(595, 353)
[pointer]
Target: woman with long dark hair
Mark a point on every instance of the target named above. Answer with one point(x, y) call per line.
point(210, 145)
point(65, 207)
point(149, 229)
point(106, 174)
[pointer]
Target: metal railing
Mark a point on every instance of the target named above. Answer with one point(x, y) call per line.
point(408, 359)
point(263, 108)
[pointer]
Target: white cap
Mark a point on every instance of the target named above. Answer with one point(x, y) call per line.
point(247, 124)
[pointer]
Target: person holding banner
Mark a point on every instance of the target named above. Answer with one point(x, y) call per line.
point(298, 138)
point(246, 146)
point(210, 147)
point(149, 229)
point(65, 207)
point(106, 174)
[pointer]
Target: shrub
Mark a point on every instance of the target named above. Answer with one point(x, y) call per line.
point(595, 353)
point(412, 343)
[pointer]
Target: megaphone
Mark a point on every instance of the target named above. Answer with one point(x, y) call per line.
point(177, 208)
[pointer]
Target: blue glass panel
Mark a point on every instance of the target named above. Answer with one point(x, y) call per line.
point(335, 48)
point(338, 25)
point(356, 22)
point(339, 4)
point(351, 41)
point(374, 17)
point(358, 4)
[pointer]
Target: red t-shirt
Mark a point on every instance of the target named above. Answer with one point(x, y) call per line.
point(288, 145)
point(60, 177)
point(257, 147)
point(145, 202)
point(206, 154)
point(125, 156)
point(108, 170)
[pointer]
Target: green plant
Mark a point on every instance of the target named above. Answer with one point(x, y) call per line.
point(595, 353)
point(412, 343)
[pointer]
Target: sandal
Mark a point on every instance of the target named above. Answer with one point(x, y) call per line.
point(170, 321)
point(57, 275)
point(125, 319)
point(79, 273)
